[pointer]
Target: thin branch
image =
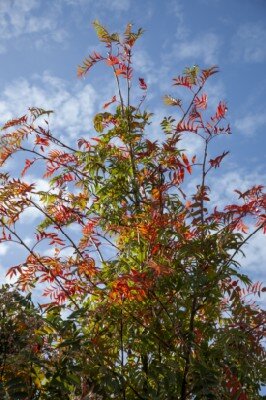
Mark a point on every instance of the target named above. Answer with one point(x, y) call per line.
point(41, 263)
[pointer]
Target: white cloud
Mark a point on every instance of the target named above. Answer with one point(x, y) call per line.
point(65, 252)
point(249, 124)
point(28, 17)
point(204, 48)
point(74, 105)
point(145, 68)
point(176, 9)
point(255, 260)
point(192, 144)
point(248, 43)
point(28, 240)
point(3, 249)
point(105, 5)
point(216, 92)
point(223, 186)
point(119, 5)
point(143, 62)
point(29, 216)
point(39, 183)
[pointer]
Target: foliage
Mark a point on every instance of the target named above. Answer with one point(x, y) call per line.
point(19, 345)
point(159, 308)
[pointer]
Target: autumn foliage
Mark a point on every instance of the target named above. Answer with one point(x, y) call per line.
point(143, 295)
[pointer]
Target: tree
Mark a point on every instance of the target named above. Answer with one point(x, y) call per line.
point(158, 305)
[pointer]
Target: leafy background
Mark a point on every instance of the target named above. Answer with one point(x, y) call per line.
point(42, 42)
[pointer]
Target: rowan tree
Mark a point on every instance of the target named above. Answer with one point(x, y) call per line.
point(159, 307)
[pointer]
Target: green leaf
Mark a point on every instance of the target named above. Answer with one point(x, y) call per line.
point(171, 101)
point(101, 32)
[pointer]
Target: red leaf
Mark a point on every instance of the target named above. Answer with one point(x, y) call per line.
point(122, 70)
point(14, 122)
point(201, 102)
point(182, 81)
point(181, 175)
point(112, 60)
point(28, 163)
point(110, 102)
point(88, 63)
point(220, 111)
point(84, 142)
point(142, 84)
point(217, 161)
point(183, 126)
point(206, 73)
point(186, 162)
point(42, 141)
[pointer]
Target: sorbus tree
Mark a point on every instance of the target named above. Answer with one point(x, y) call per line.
point(159, 307)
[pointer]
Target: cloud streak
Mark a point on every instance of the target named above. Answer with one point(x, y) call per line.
point(249, 124)
point(203, 48)
point(248, 43)
point(74, 105)
point(27, 18)
point(103, 5)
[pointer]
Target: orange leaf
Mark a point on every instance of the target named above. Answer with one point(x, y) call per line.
point(109, 102)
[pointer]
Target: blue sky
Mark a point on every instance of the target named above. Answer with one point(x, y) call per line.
point(43, 41)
